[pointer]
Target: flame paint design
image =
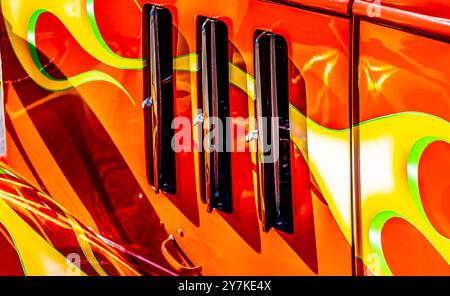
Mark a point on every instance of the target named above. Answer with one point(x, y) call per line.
point(21, 18)
point(404, 137)
point(40, 257)
point(396, 141)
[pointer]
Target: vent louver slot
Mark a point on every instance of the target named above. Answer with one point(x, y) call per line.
point(215, 84)
point(272, 95)
point(159, 103)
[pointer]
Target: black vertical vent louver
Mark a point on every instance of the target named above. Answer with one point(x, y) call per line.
point(272, 96)
point(215, 84)
point(159, 103)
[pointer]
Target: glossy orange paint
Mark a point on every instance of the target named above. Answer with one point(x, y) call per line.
point(318, 44)
point(412, 255)
point(84, 145)
point(395, 73)
point(335, 6)
point(404, 73)
point(429, 16)
point(328, 39)
point(434, 188)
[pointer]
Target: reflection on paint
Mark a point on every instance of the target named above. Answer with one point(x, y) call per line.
point(391, 147)
point(377, 154)
point(376, 75)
